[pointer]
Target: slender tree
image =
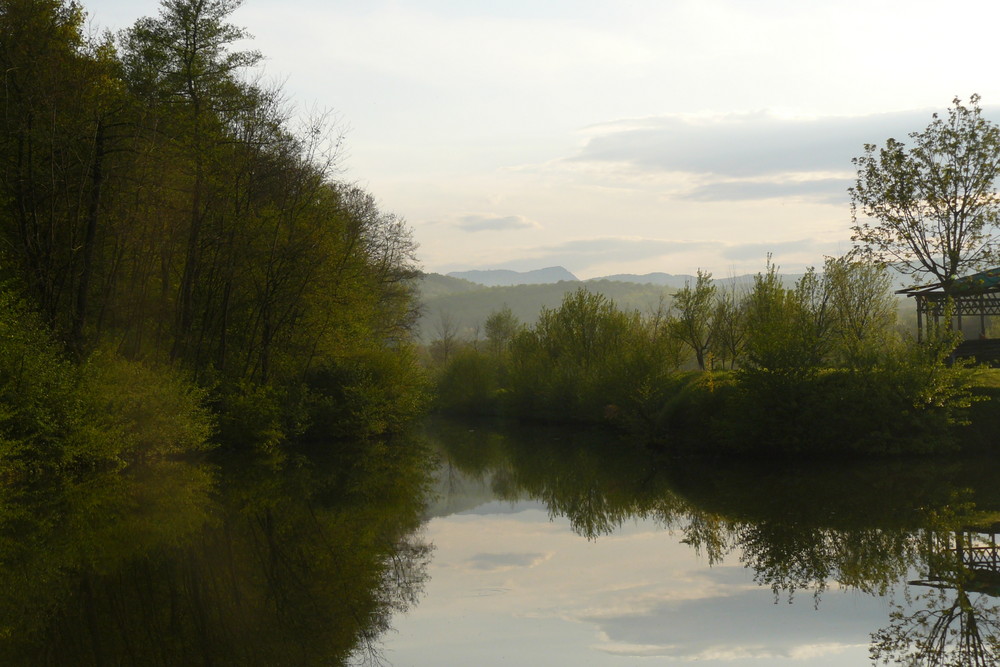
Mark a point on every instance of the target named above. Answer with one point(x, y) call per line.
point(695, 307)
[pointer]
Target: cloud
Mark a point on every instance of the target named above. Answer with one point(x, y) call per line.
point(826, 190)
point(494, 223)
point(747, 144)
point(759, 250)
point(740, 625)
point(583, 252)
point(580, 253)
point(494, 562)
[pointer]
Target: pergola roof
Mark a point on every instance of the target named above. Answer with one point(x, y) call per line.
point(984, 282)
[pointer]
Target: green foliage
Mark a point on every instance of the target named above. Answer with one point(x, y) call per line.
point(107, 411)
point(155, 199)
point(932, 207)
point(470, 384)
point(36, 388)
point(130, 411)
point(822, 370)
point(906, 399)
point(561, 367)
point(252, 415)
point(863, 311)
point(371, 393)
point(729, 329)
point(470, 304)
point(785, 328)
point(696, 310)
point(586, 361)
point(500, 328)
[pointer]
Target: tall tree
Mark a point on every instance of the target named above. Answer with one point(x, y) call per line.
point(695, 308)
point(43, 146)
point(182, 64)
point(932, 207)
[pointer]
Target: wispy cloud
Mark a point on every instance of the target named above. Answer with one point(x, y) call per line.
point(745, 145)
point(825, 190)
point(749, 627)
point(580, 253)
point(759, 251)
point(496, 562)
point(494, 223)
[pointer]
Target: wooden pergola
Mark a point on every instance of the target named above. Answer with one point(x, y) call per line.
point(975, 296)
point(975, 552)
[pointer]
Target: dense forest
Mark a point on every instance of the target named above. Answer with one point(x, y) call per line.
point(174, 237)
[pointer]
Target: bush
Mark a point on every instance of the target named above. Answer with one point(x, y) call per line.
point(908, 402)
point(370, 393)
point(470, 384)
point(128, 410)
point(106, 411)
point(252, 415)
point(36, 388)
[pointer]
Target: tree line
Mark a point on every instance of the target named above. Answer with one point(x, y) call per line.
point(781, 369)
point(161, 204)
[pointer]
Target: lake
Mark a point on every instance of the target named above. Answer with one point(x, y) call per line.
point(559, 549)
point(470, 544)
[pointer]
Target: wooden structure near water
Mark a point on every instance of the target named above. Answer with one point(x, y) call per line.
point(972, 552)
point(974, 297)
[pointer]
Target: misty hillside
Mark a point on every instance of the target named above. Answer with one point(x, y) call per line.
point(460, 302)
point(506, 277)
point(464, 306)
point(665, 279)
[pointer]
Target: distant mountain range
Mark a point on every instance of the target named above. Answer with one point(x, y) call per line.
point(556, 274)
point(462, 300)
point(507, 278)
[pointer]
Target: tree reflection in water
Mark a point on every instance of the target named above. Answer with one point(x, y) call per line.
point(863, 527)
point(291, 561)
point(955, 619)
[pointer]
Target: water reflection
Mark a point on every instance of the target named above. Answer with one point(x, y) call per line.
point(915, 534)
point(296, 560)
point(955, 618)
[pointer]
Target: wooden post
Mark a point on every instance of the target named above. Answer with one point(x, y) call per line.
point(920, 319)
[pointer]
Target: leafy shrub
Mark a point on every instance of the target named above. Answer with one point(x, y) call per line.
point(470, 384)
point(36, 387)
point(252, 415)
point(369, 393)
point(127, 410)
point(107, 410)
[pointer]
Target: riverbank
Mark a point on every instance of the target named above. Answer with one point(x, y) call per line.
point(883, 411)
point(979, 434)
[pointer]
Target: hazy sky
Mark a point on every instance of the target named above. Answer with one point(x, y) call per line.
point(617, 136)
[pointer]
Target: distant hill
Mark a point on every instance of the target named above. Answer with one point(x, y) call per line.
point(466, 298)
point(434, 285)
point(665, 279)
point(505, 277)
point(556, 274)
point(466, 305)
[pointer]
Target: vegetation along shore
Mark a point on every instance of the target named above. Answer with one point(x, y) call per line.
point(182, 267)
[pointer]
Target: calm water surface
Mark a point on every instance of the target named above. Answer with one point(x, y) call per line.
point(560, 549)
point(472, 545)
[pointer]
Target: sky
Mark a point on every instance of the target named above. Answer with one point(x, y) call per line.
point(616, 136)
